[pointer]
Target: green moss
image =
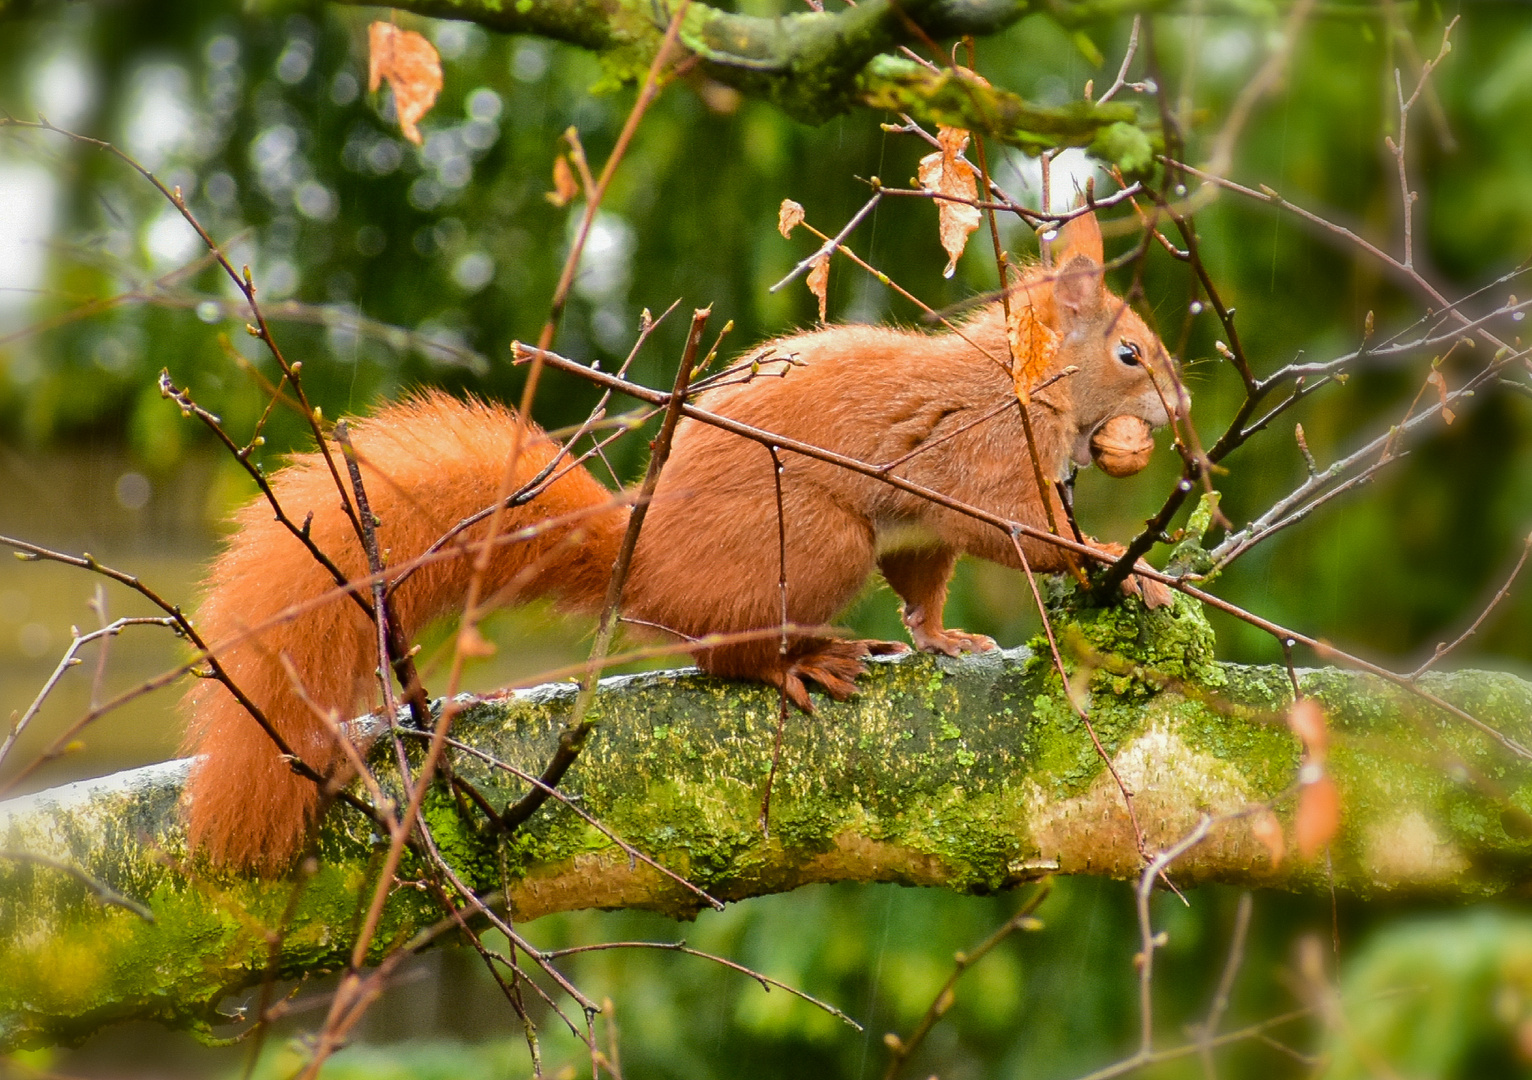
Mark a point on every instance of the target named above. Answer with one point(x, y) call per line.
point(933, 774)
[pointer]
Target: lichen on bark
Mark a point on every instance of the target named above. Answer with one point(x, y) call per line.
point(971, 774)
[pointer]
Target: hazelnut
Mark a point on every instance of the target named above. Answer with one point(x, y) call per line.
point(1122, 445)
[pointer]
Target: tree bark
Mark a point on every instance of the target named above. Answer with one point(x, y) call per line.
point(971, 774)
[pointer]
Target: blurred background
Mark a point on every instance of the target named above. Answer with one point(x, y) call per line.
point(386, 267)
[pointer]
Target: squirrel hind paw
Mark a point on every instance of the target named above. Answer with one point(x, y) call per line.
point(835, 665)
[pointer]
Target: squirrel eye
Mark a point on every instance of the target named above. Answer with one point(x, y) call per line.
point(1127, 353)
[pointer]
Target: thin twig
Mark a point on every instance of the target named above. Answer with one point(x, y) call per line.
point(70, 658)
point(902, 1049)
point(1069, 696)
point(766, 981)
point(573, 737)
point(553, 792)
point(1207, 1030)
point(1443, 649)
point(1127, 61)
point(1149, 941)
point(829, 246)
point(97, 888)
point(776, 743)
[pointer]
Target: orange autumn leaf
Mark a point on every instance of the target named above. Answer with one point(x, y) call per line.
point(789, 217)
point(1435, 379)
point(412, 68)
point(1317, 818)
point(565, 187)
point(819, 282)
point(1032, 342)
point(947, 173)
point(1268, 830)
point(1307, 721)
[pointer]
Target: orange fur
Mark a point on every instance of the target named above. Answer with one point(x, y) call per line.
point(427, 463)
point(707, 559)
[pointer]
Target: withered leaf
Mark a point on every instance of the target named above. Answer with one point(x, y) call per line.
point(1317, 818)
point(1435, 379)
point(1307, 721)
point(819, 282)
point(1268, 830)
point(411, 66)
point(565, 186)
point(947, 173)
point(1033, 343)
point(789, 217)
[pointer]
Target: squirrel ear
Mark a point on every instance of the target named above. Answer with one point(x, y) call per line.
point(1077, 285)
point(1079, 236)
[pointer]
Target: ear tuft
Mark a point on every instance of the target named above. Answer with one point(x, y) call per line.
point(1079, 236)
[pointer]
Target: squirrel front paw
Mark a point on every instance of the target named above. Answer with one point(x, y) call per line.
point(951, 642)
point(928, 638)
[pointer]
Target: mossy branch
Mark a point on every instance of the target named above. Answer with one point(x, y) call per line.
point(817, 65)
point(971, 775)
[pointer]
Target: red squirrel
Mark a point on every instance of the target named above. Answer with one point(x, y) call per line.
point(707, 558)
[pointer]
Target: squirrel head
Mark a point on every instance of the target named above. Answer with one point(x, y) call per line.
point(1124, 368)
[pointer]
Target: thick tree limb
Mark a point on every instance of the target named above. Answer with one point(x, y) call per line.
point(971, 775)
point(816, 65)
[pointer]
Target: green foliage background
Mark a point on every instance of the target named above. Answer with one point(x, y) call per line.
point(286, 156)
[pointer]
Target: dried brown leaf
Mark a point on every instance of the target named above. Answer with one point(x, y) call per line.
point(1317, 818)
point(1435, 379)
point(565, 186)
point(1307, 721)
point(411, 66)
point(819, 282)
point(947, 173)
point(1268, 830)
point(789, 217)
point(1033, 343)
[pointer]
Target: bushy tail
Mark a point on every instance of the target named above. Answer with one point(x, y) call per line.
point(427, 463)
